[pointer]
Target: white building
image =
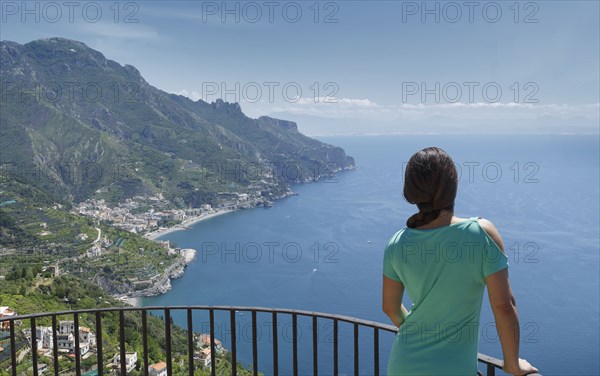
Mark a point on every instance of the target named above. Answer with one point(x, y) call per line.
point(158, 369)
point(130, 361)
point(43, 335)
point(66, 327)
point(66, 338)
point(65, 342)
point(86, 336)
point(204, 356)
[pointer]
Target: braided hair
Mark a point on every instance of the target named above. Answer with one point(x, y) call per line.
point(430, 182)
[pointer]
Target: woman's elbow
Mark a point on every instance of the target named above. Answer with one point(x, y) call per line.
point(387, 308)
point(384, 308)
point(507, 306)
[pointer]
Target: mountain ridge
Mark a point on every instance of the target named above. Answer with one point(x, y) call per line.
point(76, 120)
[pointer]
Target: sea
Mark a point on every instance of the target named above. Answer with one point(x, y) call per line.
point(321, 250)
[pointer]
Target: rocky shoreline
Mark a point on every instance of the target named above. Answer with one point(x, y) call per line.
point(162, 284)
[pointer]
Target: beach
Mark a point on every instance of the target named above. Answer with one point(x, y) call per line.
point(185, 223)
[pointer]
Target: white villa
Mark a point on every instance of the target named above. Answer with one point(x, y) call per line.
point(130, 361)
point(65, 338)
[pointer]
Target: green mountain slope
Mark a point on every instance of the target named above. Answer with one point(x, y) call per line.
point(81, 126)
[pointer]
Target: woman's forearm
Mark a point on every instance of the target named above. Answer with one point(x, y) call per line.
point(507, 325)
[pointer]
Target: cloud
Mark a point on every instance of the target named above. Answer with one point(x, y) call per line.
point(345, 102)
point(367, 109)
point(120, 31)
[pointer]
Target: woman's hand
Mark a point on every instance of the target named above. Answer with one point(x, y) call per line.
point(522, 368)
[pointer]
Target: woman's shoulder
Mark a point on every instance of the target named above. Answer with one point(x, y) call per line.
point(397, 236)
point(489, 229)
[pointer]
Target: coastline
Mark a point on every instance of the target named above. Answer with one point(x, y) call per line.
point(162, 284)
point(185, 223)
point(188, 255)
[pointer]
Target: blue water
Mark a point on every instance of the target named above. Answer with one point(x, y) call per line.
point(541, 192)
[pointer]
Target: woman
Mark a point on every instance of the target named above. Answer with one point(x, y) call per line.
point(445, 263)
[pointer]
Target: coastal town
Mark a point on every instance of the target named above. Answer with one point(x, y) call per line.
point(153, 216)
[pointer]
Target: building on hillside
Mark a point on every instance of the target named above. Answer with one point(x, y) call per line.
point(43, 335)
point(6, 312)
point(66, 338)
point(204, 342)
point(158, 369)
point(204, 356)
point(130, 362)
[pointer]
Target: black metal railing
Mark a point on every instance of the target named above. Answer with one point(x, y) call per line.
point(491, 364)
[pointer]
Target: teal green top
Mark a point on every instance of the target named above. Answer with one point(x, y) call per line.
point(443, 271)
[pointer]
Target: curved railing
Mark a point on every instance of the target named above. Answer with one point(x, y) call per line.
point(491, 364)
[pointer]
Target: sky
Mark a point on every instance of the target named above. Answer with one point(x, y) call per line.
point(352, 67)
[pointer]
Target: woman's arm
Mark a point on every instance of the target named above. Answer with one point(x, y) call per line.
point(392, 300)
point(504, 308)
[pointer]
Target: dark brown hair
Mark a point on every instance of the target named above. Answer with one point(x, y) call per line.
point(431, 182)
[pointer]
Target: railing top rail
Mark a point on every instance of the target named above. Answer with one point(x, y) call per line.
point(349, 319)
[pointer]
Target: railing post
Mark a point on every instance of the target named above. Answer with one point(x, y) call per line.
point(213, 358)
point(375, 351)
point(98, 342)
point(34, 346)
point(77, 345)
point(168, 341)
point(295, 343)
point(55, 347)
point(254, 346)
point(275, 345)
point(335, 347)
point(355, 349)
point(145, 340)
point(122, 353)
point(13, 348)
point(315, 346)
point(190, 342)
point(233, 343)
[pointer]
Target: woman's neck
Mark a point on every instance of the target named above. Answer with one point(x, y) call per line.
point(444, 219)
